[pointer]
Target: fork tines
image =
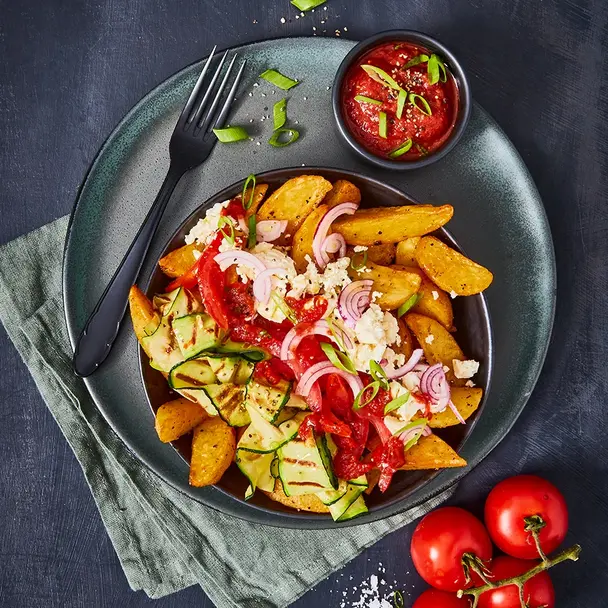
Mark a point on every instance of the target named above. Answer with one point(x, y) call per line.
point(202, 105)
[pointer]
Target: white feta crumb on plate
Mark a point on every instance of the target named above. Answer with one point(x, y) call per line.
point(358, 248)
point(430, 339)
point(435, 294)
point(453, 294)
point(469, 383)
point(465, 369)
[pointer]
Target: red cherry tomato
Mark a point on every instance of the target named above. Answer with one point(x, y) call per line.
point(432, 598)
point(439, 542)
point(517, 498)
point(538, 591)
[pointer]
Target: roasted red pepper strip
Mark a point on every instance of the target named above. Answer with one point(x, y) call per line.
point(308, 310)
point(387, 458)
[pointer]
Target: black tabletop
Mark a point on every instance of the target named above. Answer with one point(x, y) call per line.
point(69, 70)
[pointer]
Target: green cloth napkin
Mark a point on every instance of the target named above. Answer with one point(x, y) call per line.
point(165, 541)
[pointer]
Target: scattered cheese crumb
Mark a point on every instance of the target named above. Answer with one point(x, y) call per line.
point(453, 294)
point(465, 369)
point(435, 295)
point(469, 383)
point(282, 19)
point(430, 339)
point(358, 248)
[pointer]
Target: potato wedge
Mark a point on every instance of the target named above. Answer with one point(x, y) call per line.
point(259, 192)
point(405, 254)
point(452, 271)
point(406, 346)
point(381, 254)
point(433, 302)
point(304, 502)
point(180, 260)
point(391, 224)
point(294, 200)
point(176, 418)
point(342, 191)
point(465, 399)
point(394, 283)
point(142, 312)
point(213, 448)
point(302, 239)
point(437, 343)
point(431, 452)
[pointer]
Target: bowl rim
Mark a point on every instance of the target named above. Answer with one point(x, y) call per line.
point(304, 519)
point(464, 89)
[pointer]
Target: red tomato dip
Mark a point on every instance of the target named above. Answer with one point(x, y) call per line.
point(427, 132)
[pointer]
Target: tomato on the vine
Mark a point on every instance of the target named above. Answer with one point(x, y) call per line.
point(441, 540)
point(537, 592)
point(433, 598)
point(521, 504)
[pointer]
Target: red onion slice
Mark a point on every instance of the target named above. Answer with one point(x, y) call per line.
point(381, 429)
point(456, 412)
point(335, 243)
point(241, 258)
point(353, 300)
point(262, 285)
point(408, 367)
point(270, 230)
point(313, 373)
point(321, 257)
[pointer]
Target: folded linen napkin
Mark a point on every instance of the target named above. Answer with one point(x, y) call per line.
point(165, 540)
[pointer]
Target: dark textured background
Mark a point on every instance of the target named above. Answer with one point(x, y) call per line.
point(69, 70)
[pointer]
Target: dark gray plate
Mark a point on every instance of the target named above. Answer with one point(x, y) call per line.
point(499, 219)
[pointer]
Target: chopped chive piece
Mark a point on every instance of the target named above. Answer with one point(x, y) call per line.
point(249, 181)
point(360, 400)
point(306, 5)
point(377, 373)
point(279, 113)
point(356, 265)
point(284, 307)
point(231, 134)
point(278, 80)
point(251, 239)
point(407, 305)
point(364, 99)
point(382, 124)
point(401, 99)
point(436, 70)
point(381, 76)
point(402, 149)
point(424, 106)
point(227, 221)
point(396, 403)
point(416, 61)
point(275, 140)
point(398, 601)
point(416, 424)
point(340, 360)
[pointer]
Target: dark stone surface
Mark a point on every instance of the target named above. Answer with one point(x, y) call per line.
point(69, 70)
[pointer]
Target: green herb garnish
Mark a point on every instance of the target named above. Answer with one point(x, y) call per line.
point(398, 601)
point(227, 221)
point(382, 124)
point(247, 203)
point(421, 149)
point(278, 80)
point(412, 425)
point(416, 61)
point(284, 307)
point(306, 5)
point(402, 149)
point(396, 403)
point(411, 301)
point(279, 113)
point(401, 99)
point(228, 135)
point(419, 102)
point(436, 70)
point(276, 141)
point(340, 360)
point(360, 400)
point(358, 265)
point(252, 238)
point(377, 373)
point(364, 99)
point(381, 76)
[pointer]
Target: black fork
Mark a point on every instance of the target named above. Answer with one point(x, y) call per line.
point(191, 144)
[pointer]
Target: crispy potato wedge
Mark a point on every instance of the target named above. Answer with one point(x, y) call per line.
point(431, 452)
point(176, 418)
point(405, 254)
point(343, 191)
point(433, 302)
point(451, 270)
point(142, 312)
point(465, 399)
point(302, 239)
point(396, 284)
point(391, 224)
point(294, 200)
point(304, 502)
point(437, 343)
point(259, 192)
point(213, 448)
point(406, 346)
point(180, 260)
point(381, 254)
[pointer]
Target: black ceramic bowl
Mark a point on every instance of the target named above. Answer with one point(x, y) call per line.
point(474, 336)
point(462, 84)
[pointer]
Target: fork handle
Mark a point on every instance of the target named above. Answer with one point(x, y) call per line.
point(101, 329)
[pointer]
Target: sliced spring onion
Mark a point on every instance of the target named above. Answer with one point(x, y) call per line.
point(306, 5)
point(398, 601)
point(401, 99)
point(250, 181)
point(340, 360)
point(354, 261)
point(402, 149)
point(424, 106)
point(251, 239)
point(407, 305)
point(381, 76)
point(228, 135)
point(382, 124)
point(423, 151)
point(396, 403)
point(364, 99)
point(278, 80)
point(415, 429)
point(226, 221)
point(377, 373)
point(360, 400)
point(436, 70)
point(279, 113)
point(275, 140)
point(416, 61)
point(337, 331)
point(284, 307)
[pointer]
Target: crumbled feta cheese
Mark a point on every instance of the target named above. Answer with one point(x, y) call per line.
point(465, 369)
point(469, 383)
point(408, 410)
point(435, 294)
point(430, 339)
point(207, 226)
point(376, 326)
point(333, 279)
point(411, 381)
point(376, 295)
point(359, 248)
point(453, 294)
point(446, 369)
